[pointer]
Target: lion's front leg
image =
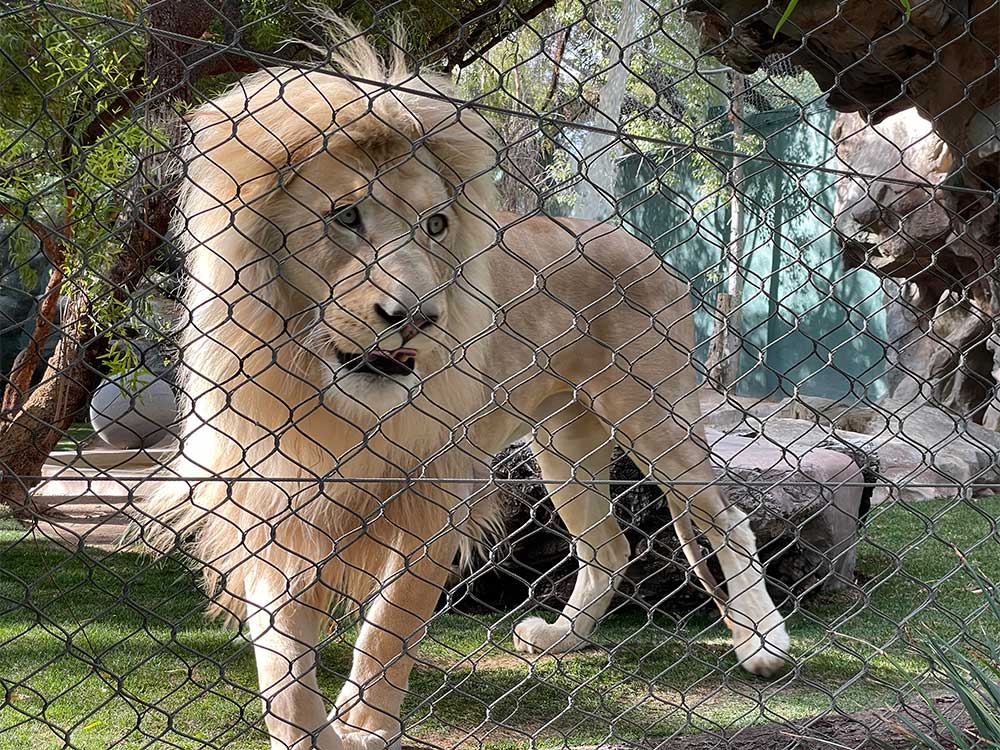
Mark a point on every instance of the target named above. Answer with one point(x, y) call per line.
point(284, 632)
point(368, 708)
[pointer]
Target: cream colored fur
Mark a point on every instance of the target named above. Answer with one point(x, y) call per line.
point(309, 485)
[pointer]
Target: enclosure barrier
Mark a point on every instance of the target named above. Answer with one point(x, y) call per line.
point(518, 373)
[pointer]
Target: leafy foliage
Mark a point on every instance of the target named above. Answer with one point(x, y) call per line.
point(676, 108)
point(64, 71)
point(970, 669)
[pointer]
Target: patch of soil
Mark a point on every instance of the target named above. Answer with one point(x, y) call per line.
point(878, 729)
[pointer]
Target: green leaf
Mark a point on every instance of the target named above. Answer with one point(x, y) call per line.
point(792, 3)
point(785, 16)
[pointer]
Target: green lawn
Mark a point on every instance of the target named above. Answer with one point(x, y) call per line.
point(76, 434)
point(101, 650)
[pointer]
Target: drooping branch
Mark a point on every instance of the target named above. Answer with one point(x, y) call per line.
point(557, 57)
point(49, 239)
point(109, 116)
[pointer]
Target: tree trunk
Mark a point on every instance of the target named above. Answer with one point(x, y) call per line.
point(50, 409)
point(596, 192)
point(717, 365)
point(31, 432)
point(724, 366)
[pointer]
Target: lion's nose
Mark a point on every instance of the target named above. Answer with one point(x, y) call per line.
point(412, 321)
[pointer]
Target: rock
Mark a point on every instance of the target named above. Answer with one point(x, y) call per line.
point(909, 451)
point(735, 413)
point(804, 502)
point(934, 453)
point(800, 436)
point(938, 324)
point(871, 57)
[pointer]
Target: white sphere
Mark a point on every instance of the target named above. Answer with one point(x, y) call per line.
point(131, 412)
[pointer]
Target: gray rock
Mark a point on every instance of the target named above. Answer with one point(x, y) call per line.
point(934, 453)
point(922, 451)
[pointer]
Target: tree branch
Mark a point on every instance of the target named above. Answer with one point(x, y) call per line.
point(109, 116)
point(29, 358)
point(556, 67)
point(461, 47)
point(50, 244)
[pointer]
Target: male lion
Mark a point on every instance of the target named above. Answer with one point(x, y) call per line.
point(365, 332)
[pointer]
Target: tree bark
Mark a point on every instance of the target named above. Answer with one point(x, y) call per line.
point(716, 364)
point(462, 42)
point(597, 167)
point(51, 408)
point(724, 355)
point(29, 358)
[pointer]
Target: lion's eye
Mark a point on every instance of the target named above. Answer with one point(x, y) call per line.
point(349, 217)
point(436, 224)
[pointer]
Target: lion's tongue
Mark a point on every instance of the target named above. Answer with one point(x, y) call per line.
point(400, 355)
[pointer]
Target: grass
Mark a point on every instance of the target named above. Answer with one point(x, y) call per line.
point(102, 650)
point(76, 434)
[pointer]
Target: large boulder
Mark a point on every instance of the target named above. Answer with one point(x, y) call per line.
point(898, 223)
point(805, 506)
point(911, 449)
point(927, 452)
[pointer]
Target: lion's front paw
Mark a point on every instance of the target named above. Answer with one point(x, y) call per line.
point(764, 655)
point(533, 636)
point(355, 738)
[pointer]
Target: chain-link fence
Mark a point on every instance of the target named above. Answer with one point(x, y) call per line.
point(519, 373)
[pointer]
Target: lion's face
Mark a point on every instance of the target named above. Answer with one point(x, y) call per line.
point(374, 244)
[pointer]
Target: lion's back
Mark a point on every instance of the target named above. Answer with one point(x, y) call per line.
point(583, 262)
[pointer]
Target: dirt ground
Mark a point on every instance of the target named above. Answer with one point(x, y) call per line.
point(878, 729)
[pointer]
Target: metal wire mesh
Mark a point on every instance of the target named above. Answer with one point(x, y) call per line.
point(527, 373)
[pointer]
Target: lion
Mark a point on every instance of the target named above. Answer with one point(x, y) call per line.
point(365, 332)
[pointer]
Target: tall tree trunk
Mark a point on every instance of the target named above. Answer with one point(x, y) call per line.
point(724, 355)
point(595, 195)
point(52, 406)
point(29, 358)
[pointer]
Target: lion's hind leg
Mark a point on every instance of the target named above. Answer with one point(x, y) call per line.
point(573, 448)
point(668, 444)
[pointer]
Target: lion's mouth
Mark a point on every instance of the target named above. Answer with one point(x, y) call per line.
point(379, 362)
